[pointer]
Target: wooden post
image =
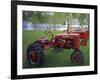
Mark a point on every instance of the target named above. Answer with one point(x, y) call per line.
point(68, 26)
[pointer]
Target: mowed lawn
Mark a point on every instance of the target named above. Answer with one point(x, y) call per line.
point(52, 59)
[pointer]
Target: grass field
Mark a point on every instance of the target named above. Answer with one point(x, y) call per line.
point(52, 59)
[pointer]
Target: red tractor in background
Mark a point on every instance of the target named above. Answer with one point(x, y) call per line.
point(67, 40)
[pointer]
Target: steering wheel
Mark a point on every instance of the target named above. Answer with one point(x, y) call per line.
point(49, 33)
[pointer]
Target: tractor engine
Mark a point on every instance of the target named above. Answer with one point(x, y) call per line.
point(67, 41)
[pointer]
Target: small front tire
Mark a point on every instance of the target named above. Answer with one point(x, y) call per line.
point(77, 57)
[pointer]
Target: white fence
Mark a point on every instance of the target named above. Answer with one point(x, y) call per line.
point(51, 27)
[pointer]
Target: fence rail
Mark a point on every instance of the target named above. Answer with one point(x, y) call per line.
point(51, 27)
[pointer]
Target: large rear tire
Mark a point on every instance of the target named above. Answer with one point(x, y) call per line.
point(77, 57)
point(35, 54)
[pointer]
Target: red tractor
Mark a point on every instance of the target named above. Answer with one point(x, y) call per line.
point(69, 40)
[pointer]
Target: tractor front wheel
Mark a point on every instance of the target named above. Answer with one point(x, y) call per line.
point(77, 57)
point(35, 54)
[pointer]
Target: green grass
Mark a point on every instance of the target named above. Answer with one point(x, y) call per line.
point(52, 59)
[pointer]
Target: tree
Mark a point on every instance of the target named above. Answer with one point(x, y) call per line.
point(27, 15)
point(82, 18)
point(39, 17)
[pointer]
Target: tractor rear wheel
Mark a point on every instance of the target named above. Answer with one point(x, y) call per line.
point(77, 57)
point(35, 54)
